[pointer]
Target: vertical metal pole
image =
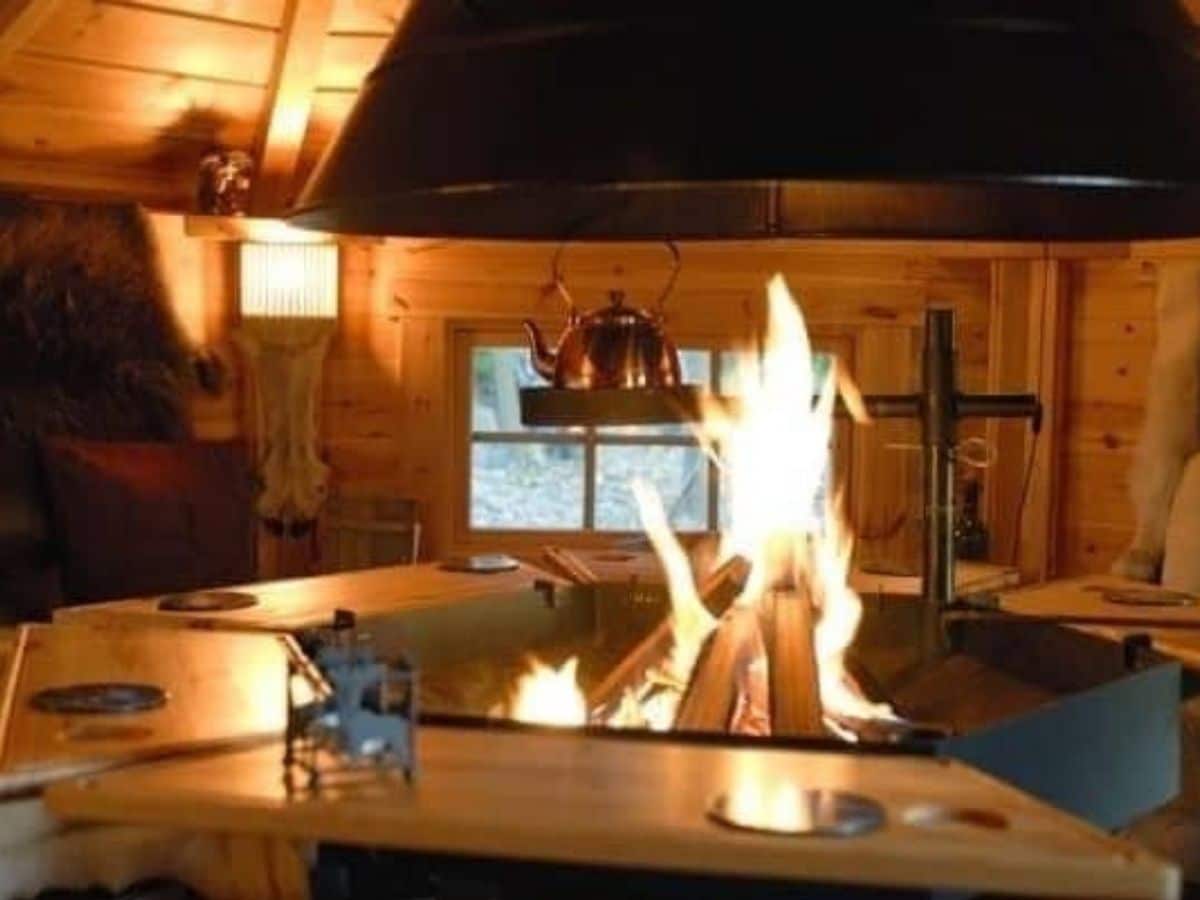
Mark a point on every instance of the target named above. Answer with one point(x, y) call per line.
point(939, 426)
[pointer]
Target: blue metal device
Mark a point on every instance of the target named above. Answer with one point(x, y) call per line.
point(361, 714)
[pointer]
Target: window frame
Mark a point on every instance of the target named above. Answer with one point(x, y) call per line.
point(466, 335)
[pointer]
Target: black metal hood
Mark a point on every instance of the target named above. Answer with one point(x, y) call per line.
point(1034, 119)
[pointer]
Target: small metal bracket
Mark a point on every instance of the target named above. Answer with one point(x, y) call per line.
point(548, 591)
point(1137, 650)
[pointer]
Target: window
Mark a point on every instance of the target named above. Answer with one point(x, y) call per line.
point(577, 479)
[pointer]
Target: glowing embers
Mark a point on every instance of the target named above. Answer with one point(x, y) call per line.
point(773, 662)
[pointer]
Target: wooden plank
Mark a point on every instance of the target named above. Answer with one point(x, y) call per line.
point(887, 489)
point(222, 690)
point(35, 82)
point(711, 697)
point(263, 13)
point(156, 41)
point(1091, 546)
point(249, 228)
point(378, 17)
point(19, 21)
point(78, 179)
point(640, 804)
point(1009, 333)
point(290, 92)
point(346, 60)
point(294, 604)
point(1040, 520)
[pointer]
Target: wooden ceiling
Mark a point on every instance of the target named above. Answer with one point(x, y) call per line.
point(121, 98)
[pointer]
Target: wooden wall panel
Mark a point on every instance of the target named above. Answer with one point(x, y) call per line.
point(876, 301)
point(1108, 349)
point(388, 416)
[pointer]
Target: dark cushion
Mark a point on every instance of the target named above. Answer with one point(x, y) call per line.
point(24, 525)
point(135, 519)
point(29, 581)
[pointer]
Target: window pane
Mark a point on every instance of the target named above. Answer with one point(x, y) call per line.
point(696, 368)
point(526, 485)
point(497, 374)
point(679, 473)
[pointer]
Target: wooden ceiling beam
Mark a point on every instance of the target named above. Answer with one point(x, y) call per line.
point(289, 101)
point(19, 21)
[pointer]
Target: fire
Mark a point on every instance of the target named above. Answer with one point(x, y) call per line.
point(548, 696)
point(773, 446)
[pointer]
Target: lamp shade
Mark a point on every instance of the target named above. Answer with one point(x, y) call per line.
point(289, 281)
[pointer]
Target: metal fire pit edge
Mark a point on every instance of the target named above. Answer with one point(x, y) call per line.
point(1108, 754)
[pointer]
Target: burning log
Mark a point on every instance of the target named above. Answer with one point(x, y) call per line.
point(792, 662)
point(712, 695)
point(654, 648)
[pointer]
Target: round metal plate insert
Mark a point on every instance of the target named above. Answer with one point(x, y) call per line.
point(207, 601)
point(801, 812)
point(1144, 597)
point(481, 564)
point(100, 698)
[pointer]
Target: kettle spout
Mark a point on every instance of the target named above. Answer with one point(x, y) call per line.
point(543, 358)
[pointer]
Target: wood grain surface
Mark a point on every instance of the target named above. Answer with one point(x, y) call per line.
point(298, 603)
point(1083, 600)
point(566, 798)
point(222, 689)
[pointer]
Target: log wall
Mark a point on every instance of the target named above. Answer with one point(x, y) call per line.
point(391, 423)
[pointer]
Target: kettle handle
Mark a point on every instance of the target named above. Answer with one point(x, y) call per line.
point(559, 283)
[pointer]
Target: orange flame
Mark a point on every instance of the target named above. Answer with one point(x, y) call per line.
point(548, 696)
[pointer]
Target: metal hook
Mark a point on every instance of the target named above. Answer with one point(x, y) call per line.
point(676, 265)
point(557, 282)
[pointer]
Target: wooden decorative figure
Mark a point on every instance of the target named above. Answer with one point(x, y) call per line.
point(289, 296)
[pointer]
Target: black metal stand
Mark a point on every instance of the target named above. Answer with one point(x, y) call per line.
point(940, 406)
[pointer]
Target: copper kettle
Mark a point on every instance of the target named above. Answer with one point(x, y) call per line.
point(617, 346)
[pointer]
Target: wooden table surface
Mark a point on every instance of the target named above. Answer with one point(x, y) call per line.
point(640, 804)
point(616, 566)
point(1083, 601)
point(300, 603)
point(223, 689)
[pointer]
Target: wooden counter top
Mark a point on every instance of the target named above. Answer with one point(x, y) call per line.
point(1082, 601)
point(300, 603)
point(640, 804)
point(222, 689)
point(618, 566)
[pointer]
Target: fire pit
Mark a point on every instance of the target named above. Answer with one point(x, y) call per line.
point(763, 646)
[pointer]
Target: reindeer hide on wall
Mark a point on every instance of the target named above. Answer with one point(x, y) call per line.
point(88, 341)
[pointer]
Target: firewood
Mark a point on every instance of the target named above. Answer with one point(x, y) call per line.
point(653, 649)
point(732, 570)
point(795, 686)
point(711, 696)
point(570, 565)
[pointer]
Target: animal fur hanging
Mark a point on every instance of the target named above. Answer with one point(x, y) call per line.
point(1171, 430)
point(88, 342)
